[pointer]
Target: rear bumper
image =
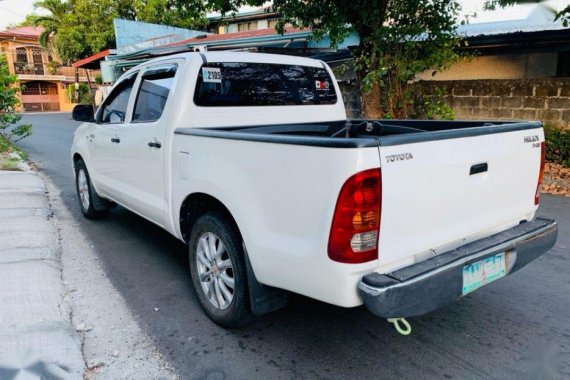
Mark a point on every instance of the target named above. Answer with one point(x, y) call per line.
point(426, 286)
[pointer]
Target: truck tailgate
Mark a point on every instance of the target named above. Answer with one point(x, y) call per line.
point(446, 191)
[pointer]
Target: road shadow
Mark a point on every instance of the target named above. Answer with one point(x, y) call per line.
point(489, 334)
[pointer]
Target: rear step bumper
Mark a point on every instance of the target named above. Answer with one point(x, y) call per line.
point(428, 285)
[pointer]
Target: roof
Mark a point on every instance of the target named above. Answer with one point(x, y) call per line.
point(29, 32)
point(242, 56)
point(92, 62)
point(266, 37)
point(250, 35)
point(245, 12)
point(245, 56)
point(133, 35)
point(535, 18)
point(531, 27)
point(259, 13)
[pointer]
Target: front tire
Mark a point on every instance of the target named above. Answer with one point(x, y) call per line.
point(218, 270)
point(85, 192)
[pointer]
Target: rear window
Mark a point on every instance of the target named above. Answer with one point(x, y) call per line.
point(260, 84)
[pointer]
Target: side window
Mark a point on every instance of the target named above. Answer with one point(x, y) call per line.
point(114, 110)
point(156, 84)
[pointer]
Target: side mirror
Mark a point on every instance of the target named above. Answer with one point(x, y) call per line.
point(83, 112)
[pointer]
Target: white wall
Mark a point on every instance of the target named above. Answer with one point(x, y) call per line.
point(504, 66)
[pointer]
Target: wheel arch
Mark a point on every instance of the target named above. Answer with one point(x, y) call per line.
point(76, 158)
point(196, 204)
point(263, 299)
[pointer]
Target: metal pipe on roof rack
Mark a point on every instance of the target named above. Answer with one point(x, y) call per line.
point(289, 43)
point(245, 44)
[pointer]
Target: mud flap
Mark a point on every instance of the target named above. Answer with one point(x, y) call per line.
point(100, 204)
point(263, 299)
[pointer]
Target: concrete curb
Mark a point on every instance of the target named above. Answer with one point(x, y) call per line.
point(36, 334)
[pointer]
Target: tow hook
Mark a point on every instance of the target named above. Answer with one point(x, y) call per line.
point(401, 325)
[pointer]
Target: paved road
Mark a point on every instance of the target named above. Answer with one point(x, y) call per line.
point(516, 328)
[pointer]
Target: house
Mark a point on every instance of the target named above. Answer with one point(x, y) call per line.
point(529, 44)
point(43, 79)
point(519, 69)
point(243, 21)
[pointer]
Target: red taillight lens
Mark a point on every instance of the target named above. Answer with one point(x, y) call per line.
point(540, 174)
point(356, 222)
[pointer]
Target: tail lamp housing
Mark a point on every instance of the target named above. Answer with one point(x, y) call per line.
point(356, 222)
point(540, 173)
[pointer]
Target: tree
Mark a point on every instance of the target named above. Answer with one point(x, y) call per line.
point(79, 28)
point(51, 23)
point(8, 103)
point(564, 15)
point(161, 12)
point(398, 39)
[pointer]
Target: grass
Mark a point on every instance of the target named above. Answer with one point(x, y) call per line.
point(9, 164)
point(6, 147)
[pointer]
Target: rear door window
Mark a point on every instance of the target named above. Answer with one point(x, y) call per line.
point(155, 86)
point(260, 84)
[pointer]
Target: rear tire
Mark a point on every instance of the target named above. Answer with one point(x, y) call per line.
point(218, 270)
point(86, 192)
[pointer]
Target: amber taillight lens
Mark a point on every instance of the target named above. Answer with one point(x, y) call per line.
point(356, 221)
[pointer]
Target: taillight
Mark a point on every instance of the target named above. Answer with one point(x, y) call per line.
point(356, 222)
point(540, 174)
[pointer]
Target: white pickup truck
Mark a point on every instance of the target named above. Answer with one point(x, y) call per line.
point(250, 159)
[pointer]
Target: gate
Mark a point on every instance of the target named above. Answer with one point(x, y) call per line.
point(40, 97)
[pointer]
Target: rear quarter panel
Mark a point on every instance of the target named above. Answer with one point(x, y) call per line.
point(283, 198)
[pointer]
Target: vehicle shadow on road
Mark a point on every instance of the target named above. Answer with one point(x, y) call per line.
point(485, 335)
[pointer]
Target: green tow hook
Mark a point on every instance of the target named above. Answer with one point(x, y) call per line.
point(401, 325)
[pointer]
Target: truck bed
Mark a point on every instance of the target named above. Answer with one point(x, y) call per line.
point(359, 133)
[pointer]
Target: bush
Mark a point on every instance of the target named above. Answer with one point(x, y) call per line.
point(9, 131)
point(84, 93)
point(4, 144)
point(435, 108)
point(557, 145)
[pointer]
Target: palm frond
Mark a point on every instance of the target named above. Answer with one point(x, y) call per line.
point(45, 36)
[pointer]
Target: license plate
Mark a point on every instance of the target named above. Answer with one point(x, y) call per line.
point(483, 272)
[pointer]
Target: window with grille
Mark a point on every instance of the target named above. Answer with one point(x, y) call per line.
point(21, 55)
point(272, 23)
point(245, 26)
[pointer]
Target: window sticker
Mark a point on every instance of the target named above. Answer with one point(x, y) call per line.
point(212, 74)
point(322, 84)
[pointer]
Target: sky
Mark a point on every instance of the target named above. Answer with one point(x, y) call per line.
point(14, 11)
